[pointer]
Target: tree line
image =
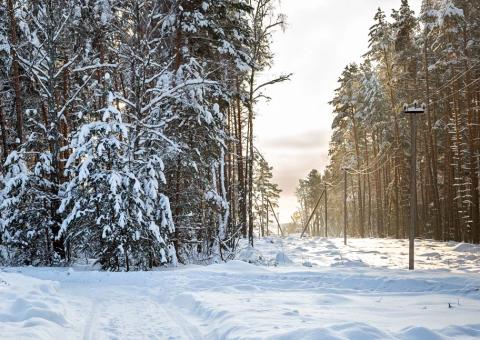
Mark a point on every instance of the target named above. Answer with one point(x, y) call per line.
point(127, 129)
point(432, 58)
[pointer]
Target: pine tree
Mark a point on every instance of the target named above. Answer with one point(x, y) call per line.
point(436, 64)
point(266, 195)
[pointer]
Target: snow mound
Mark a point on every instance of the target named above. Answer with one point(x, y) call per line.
point(466, 248)
point(419, 333)
point(430, 254)
point(282, 258)
point(345, 262)
point(251, 255)
point(239, 266)
point(233, 267)
point(349, 330)
point(30, 308)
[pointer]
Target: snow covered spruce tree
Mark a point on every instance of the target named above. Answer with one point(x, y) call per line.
point(114, 211)
point(27, 219)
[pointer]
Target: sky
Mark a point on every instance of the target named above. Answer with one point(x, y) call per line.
point(293, 128)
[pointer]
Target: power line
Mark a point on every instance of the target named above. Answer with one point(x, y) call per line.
point(454, 93)
point(375, 166)
point(458, 76)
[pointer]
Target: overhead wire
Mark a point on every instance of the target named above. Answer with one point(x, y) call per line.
point(375, 165)
point(458, 76)
point(453, 94)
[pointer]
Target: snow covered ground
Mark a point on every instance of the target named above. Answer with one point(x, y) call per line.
point(304, 289)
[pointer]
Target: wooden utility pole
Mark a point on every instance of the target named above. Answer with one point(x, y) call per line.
point(326, 212)
point(413, 192)
point(311, 215)
point(276, 219)
point(413, 111)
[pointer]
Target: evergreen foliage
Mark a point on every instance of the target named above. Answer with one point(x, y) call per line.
point(120, 123)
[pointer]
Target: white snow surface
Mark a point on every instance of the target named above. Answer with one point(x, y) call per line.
point(325, 290)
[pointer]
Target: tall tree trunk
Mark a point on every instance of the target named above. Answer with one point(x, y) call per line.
point(354, 207)
point(241, 171)
point(250, 176)
point(458, 161)
point(450, 207)
point(177, 210)
point(378, 193)
point(231, 179)
point(251, 155)
point(359, 165)
point(397, 160)
point(3, 131)
point(368, 187)
point(16, 73)
point(431, 150)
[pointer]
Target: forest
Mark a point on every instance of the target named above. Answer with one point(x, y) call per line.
point(149, 147)
point(127, 130)
point(430, 58)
